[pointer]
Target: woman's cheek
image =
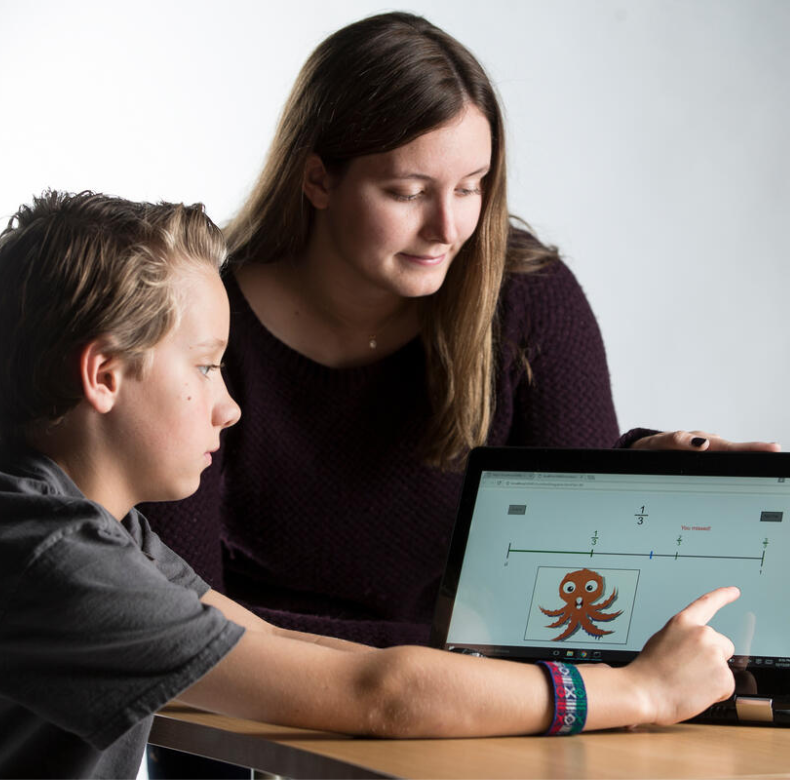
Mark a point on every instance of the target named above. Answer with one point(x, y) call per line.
point(472, 217)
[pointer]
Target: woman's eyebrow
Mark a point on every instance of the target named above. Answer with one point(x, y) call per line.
point(424, 177)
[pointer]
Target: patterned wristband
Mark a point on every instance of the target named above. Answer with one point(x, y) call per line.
point(570, 698)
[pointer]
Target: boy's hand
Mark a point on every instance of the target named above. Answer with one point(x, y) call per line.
point(683, 668)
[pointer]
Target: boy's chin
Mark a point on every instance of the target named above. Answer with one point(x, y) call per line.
point(174, 492)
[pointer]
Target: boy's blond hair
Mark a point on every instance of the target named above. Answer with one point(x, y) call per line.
point(78, 267)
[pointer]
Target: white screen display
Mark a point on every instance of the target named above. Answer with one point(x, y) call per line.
point(599, 562)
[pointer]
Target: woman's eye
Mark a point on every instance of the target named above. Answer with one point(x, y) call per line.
point(207, 369)
point(406, 196)
point(468, 191)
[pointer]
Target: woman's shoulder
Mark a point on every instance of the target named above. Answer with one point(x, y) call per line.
point(536, 295)
point(543, 310)
point(534, 271)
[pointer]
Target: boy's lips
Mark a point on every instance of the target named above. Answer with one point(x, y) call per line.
point(208, 454)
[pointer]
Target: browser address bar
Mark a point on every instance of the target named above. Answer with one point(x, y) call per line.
point(669, 486)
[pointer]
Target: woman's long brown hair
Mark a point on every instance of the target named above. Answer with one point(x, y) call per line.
point(372, 87)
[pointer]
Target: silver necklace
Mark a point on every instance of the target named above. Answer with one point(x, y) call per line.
point(373, 338)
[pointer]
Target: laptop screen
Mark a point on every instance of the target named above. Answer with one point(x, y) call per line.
point(584, 555)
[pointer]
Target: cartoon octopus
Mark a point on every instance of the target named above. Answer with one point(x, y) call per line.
point(579, 590)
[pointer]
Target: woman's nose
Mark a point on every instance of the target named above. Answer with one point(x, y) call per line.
point(441, 225)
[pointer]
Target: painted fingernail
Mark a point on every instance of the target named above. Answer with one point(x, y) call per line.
point(698, 441)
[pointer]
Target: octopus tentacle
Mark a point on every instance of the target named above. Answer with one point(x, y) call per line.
point(554, 612)
point(564, 619)
point(590, 628)
point(596, 614)
point(574, 625)
point(606, 602)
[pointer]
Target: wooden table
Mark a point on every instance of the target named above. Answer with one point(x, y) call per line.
point(682, 751)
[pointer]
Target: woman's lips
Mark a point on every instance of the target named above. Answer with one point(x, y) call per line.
point(424, 259)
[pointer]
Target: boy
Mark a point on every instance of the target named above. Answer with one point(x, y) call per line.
point(113, 321)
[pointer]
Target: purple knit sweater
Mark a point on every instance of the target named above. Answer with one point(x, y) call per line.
point(318, 515)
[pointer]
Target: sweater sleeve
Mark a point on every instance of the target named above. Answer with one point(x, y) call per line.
point(567, 401)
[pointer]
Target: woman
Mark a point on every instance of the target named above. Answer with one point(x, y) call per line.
point(386, 317)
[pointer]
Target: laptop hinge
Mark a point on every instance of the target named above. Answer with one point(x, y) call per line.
point(754, 709)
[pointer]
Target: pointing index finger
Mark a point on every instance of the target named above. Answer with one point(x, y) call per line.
point(705, 607)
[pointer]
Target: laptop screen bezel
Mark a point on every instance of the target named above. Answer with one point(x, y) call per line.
point(586, 461)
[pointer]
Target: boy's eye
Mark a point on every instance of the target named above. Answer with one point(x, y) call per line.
point(207, 369)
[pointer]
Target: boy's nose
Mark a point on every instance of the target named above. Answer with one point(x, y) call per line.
point(227, 412)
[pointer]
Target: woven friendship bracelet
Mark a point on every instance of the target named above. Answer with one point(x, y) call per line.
point(570, 698)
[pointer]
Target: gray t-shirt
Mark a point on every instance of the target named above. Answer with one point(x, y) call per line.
point(100, 625)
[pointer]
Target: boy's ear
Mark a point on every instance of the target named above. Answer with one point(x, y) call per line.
point(316, 182)
point(101, 375)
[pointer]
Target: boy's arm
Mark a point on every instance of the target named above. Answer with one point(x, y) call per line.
point(418, 692)
point(249, 620)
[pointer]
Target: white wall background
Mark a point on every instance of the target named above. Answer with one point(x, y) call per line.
point(648, 139)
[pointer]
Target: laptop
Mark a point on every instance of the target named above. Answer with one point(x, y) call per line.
point(582, 555)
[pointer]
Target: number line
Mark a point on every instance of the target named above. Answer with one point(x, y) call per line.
point(650, 555)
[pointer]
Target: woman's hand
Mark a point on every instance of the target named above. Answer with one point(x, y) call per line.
point(683, 668)
point(701, 441)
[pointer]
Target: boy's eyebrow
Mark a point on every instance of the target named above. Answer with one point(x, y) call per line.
point(212, 343)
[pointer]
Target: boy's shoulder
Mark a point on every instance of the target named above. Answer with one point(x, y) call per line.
point(100, 623)
point(35, 491)
point(39, 507)
point(51, 535)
